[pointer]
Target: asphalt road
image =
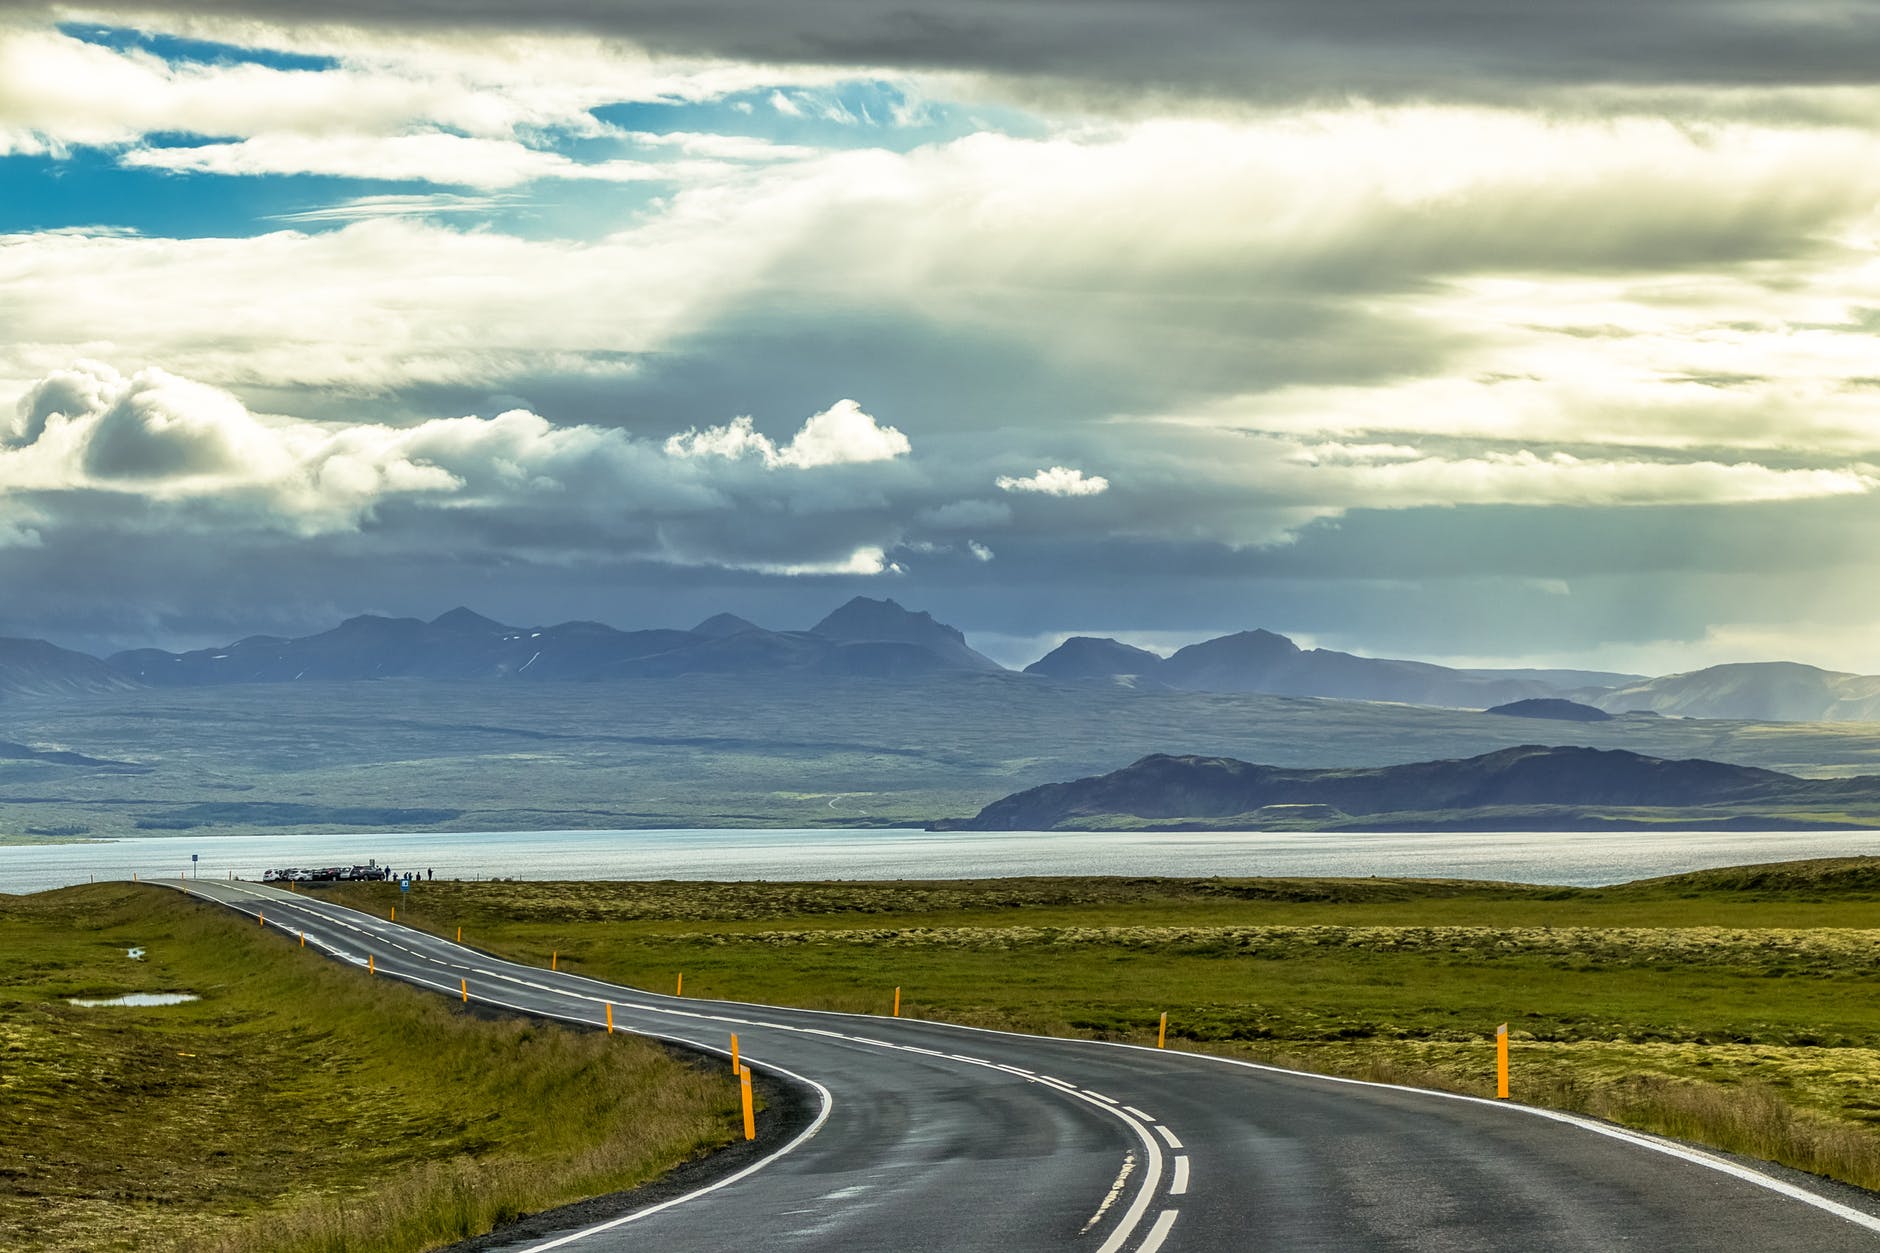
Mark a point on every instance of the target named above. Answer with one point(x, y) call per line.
point(934, 1137)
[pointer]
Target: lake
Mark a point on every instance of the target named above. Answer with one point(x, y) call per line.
point(1580, 859)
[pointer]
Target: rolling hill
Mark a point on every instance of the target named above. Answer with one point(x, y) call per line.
point(1765, 691)
point(1574, 786)
point(1266, 662)
point(36, 668)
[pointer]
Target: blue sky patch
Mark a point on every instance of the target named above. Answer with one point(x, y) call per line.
point(178, 50)
point(851, 115)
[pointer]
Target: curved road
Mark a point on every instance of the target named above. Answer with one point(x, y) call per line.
point(935, 1137)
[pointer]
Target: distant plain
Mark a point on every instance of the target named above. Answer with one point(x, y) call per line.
point(716, 751)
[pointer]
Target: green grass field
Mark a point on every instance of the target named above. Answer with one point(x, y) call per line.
point(298, 1105)
point(1739, 1007)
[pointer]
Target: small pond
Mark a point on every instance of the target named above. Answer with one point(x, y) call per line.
point(141, 998)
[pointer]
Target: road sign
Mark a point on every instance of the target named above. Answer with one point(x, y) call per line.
point(404, 884)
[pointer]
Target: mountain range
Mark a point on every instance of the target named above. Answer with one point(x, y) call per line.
point(1262, 661)
point(864, 637)
point(881, 639)
point(1552, 788)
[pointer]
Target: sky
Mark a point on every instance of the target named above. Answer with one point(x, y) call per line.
point(1489, 333)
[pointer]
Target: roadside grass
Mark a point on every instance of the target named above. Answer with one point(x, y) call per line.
point(298, 1105)
point(1734, 1007)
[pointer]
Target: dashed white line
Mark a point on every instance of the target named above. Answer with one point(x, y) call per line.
point(1159, 1232)
point(1168, 1136)
point(1107, 1100)
point(1124, 1230)
point(1179, 1186)
point(1138, 1113)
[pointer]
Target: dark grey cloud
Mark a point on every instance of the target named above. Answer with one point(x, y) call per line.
point(1257, 49)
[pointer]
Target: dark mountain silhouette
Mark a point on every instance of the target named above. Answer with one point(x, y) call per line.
point(867, 638)
point(723, 625)
point(1165, 789)
point(1549, 707)
point(1266, 662)
point(1763, 691)
point(36, 668)
point(1087, 657)
point(879, 622)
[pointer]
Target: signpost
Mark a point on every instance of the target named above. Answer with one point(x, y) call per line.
point(194, 869)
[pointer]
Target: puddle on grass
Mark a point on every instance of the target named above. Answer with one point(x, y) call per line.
point(141, 998)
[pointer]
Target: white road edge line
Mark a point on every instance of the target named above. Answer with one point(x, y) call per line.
point(822, 1116)
point(1126, 1226)
point(1638, 1139)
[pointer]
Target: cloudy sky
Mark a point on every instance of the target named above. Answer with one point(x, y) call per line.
point(1487, 332)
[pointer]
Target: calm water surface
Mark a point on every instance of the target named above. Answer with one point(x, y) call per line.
point(1575, 858)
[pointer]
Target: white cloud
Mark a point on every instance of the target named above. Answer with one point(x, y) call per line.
point(456, 160)
point(979, 551)
point(170, 454)
point(391, 100)
point(1056, 481)
point(840, 435)
point(865, 561)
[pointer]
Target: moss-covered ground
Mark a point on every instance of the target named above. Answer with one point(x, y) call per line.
point(297, 1105)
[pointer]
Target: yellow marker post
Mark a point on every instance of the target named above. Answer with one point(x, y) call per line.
point(460, 935)
point(736, 1068)
point(371, 966)
point(303, 939)
point(679, 988)
point(610, 1020)
point(466, 990)
point(1501, 1061)
point(554, 959)
point(1161, 1032)
point(261, 919)
point(897, 1002)
point(394, 913)
point(750, 1114)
